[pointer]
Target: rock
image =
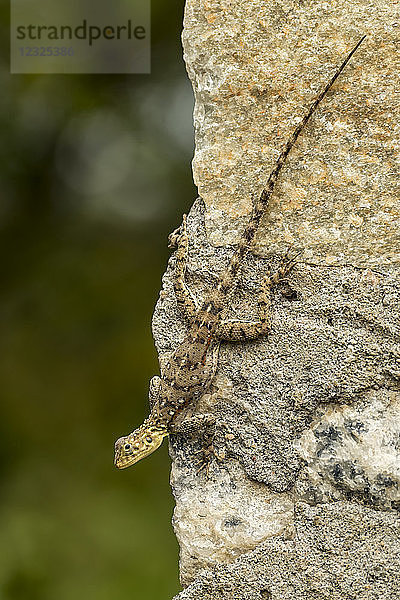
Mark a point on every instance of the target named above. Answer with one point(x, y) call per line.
point(304, 500)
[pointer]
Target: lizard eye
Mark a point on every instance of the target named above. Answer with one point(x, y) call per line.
point(127, 447)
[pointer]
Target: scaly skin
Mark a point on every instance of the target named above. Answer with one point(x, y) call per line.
point(190, 369)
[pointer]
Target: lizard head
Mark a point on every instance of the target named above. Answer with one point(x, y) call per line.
point(137, 445)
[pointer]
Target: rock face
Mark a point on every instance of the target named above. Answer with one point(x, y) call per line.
point(305, 500)
point(339, 551)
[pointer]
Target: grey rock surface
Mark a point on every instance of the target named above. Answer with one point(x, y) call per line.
point(304, 501)
point(330, 556)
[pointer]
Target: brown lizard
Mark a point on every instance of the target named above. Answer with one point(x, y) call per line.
point(189, 371)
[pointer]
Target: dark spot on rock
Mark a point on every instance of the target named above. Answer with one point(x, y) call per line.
point(346, 288)
point(232, 522)
point(383, 480)
point(329, 432)
point(376, 572)
point(288, 292)
point(356, 426)
point(337, 471)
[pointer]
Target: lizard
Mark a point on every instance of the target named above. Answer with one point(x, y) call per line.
point(189, 371)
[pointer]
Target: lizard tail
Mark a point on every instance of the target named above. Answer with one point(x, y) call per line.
point(261, 204)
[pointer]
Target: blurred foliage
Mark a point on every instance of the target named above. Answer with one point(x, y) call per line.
point(95, 171)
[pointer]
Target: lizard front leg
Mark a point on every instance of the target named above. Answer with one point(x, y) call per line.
point(184, 298)
point(204, 424)
point(154, 388)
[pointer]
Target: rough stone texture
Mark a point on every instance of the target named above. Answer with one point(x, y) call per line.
point(354, 452)
point(227, 516)
point(330, 557)
point(304, 503)
point(255, 66)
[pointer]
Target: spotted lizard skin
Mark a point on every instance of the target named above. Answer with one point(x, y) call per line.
point(189, 371)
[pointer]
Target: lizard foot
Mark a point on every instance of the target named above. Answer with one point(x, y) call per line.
point(208, 454)
point(285, 266)
point(174, 238)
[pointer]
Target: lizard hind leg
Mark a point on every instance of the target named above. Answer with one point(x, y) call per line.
point(184, 298)
point(236, 330)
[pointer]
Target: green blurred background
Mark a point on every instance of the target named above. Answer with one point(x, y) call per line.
point(94, 173)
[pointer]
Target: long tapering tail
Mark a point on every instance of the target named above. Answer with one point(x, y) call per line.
point(261, 204)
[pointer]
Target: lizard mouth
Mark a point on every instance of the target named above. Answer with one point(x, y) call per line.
point(123, 461)
point(122, 464)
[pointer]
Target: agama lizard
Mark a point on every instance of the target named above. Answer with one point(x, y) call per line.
point(189, 371)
